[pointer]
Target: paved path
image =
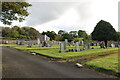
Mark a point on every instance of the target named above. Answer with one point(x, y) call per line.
point(17, 64)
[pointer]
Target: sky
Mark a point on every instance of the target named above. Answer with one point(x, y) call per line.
point(70, 15)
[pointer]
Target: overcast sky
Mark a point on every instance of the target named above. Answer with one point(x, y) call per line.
point(70, 16)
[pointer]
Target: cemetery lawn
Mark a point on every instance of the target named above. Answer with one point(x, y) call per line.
point(109, 63)
point(53, 51)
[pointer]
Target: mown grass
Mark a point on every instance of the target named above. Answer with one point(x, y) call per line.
point(68, 55)
point(54, 51)
point(109, 63)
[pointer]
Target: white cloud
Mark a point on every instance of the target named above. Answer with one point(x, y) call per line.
point(84, 15)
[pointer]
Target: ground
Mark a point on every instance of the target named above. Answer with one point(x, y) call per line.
point(108, 57)
point(17, 64)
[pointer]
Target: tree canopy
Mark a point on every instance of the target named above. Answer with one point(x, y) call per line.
point(50, 34)
point(14, 11)
point(104, 31)
point(82, 33)
point(20, 33)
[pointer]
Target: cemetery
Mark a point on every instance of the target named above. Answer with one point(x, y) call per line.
point(66, 51)
point(59, 34)
point(99, 50)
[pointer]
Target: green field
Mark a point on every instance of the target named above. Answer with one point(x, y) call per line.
point(109, 63)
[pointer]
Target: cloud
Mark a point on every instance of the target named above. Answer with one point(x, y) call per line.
point(42, 12)
point(84, 15)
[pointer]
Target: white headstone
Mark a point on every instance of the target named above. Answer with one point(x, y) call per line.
point(113, 45)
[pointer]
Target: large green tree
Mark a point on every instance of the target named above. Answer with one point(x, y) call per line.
point(104, 31)
point(14, 11)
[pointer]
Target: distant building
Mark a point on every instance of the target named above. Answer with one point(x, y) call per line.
point(44, 38)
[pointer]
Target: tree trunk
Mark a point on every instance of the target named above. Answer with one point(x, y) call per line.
point(105, 43)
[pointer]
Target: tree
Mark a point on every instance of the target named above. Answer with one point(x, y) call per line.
point(58, 38)
point(118, 36)
point(67, 36)
point(6, 32)
point(14, 11)
point(82, 33)
point(61, 32)
point(14, 34)
point(20, 33)
point(50, 34)
point(73, 33)
point(104, 31)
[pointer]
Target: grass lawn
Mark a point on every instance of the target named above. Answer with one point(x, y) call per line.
point(68, 55)
point(54, 51)
point(106, 63)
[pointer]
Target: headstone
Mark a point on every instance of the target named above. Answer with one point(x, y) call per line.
point(118, 46)
point(18, 42)
point(92, 44)
point(30, 44)
point(77, 46)
point(40, 44)
point(102, 45)
point(113, 45)
point(6, 42)
point(82, 43)
point(66, 42)
point(84, 47)
point(62, 47)
point(38, 41)
point(88, 45)
point(98, 44)
point(44, 44)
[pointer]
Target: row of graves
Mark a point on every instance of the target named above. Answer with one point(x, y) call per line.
point(85, 45)
point(76, 44)
point(42, 41)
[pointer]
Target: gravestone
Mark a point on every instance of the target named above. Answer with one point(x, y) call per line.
point(18, 42)
point(66, 42)
point(77, 46)
point(88, 45)
point(40, 44)
point(92, 44)
point(30, 44)
point(82, 43)
point(62, 47)
point(113, 45)
point(118, 46)
point(98, 44)
point(44, 44)
point(102, 45)
point(84, 47)
point(48, 45)
point(38, 41)
point(6, 42)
